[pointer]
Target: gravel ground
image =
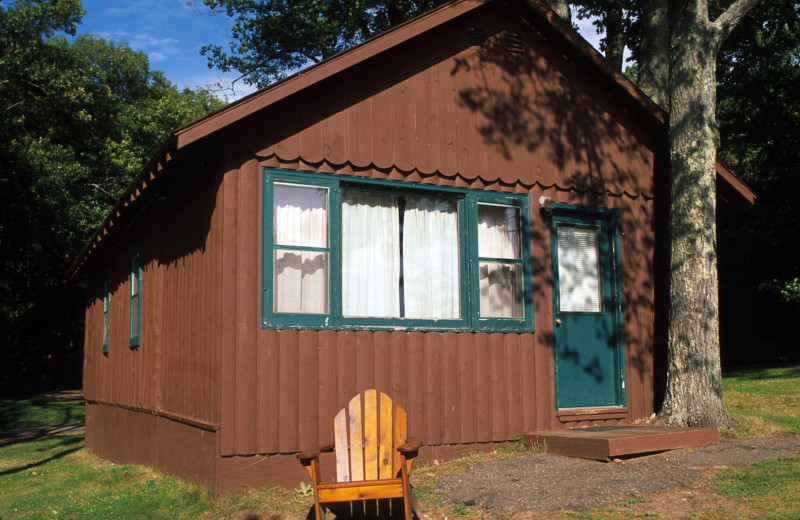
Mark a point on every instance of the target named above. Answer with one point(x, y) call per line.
point(551, 482)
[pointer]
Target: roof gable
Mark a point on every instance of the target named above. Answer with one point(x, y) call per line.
point(302, 123)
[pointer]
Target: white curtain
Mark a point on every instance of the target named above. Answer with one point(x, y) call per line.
point(300, 215)
point(430, 259)
point(370, 254)
point(578, 283)
point(498, 237)
point(300, 218)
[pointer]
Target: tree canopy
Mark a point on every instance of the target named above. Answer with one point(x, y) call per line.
point(273, 37)
point(79, 119)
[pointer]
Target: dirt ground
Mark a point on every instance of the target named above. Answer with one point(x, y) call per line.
point(545, 482)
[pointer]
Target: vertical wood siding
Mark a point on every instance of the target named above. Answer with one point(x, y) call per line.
point(462, 113)
point(459, 115)
point(284, 387)
point(175, 370)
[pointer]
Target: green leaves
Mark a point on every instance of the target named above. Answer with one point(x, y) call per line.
point(79, 119)
point(271, 38)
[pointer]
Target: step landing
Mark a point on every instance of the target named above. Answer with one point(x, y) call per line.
point(609, 442)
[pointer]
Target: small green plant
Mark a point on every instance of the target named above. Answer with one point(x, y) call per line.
point(633, 499)
point(305, 490)
point(460, 509)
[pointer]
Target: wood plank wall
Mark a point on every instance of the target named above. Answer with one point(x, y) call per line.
point(460, 115)
point(281, 389)
point(476, 115)
point(175, 370)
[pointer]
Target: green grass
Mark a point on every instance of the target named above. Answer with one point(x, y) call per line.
point(763, 401)
point(56, 478)
point(769, 489)
point(35, 411)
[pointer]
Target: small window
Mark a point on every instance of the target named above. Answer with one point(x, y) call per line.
point(136, 298)
point(499, 261)
point(106, 309)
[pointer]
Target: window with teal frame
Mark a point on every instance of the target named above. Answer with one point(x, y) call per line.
point(353, 253)
point(136, 298)
point(106, 309)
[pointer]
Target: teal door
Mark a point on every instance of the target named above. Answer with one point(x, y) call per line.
point(589, 350)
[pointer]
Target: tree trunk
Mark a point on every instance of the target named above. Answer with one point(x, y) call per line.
point(561, 7)
point(615, 34)
point(653, 63)
point(694, 375)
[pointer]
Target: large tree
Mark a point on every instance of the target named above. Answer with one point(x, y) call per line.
point(79, 119)
point(694, 374)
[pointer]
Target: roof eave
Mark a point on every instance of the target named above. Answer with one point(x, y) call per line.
point(153, 169)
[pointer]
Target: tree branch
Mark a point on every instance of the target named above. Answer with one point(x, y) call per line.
point(11, 107)
point(728, 20)
point(103, 191)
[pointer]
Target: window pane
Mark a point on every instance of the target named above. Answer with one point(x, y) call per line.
point(370, 254)
point(135, 268)
point(300, 215)
point(135, 316)
point(430, 258)
point(498, 231)
point(301, 282)
point(579, 287)
point(501, 290)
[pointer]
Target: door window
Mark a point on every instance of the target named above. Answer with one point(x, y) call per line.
point(578, 270)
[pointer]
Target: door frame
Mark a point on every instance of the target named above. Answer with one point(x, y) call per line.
point(580, 215)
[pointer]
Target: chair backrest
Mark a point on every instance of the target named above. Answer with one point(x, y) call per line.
point(371, 452)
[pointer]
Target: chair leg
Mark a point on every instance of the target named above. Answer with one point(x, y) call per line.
point(406, 492)
point(319, 511)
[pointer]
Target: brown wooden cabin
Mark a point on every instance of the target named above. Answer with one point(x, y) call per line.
point(221, 338)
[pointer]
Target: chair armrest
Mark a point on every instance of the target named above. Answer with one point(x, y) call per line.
point(309, 455)
point(411, 445)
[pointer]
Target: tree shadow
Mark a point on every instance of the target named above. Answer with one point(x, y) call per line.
point(13, 412)
point(66, 442)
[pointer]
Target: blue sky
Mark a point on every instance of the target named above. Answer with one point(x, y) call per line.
point(171, 33)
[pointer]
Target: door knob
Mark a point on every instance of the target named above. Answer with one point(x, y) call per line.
point(558, 321)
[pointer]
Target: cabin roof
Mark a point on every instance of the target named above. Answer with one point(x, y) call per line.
point(535, 10)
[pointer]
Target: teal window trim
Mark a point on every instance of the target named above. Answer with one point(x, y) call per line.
point(467, 201)
point(136, 298)
point(106, 310)
point(496, 324)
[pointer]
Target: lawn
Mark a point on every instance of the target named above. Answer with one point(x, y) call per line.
point(763, 401)
point(57, 478)
point(63, 407)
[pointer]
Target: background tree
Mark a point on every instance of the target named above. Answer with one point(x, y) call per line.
point(271, 38)
point(79, 119)
point(758, 111)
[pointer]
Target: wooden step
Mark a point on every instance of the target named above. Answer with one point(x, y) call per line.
point(608, 442)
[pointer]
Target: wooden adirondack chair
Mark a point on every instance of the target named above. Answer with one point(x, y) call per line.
point(376, 461)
